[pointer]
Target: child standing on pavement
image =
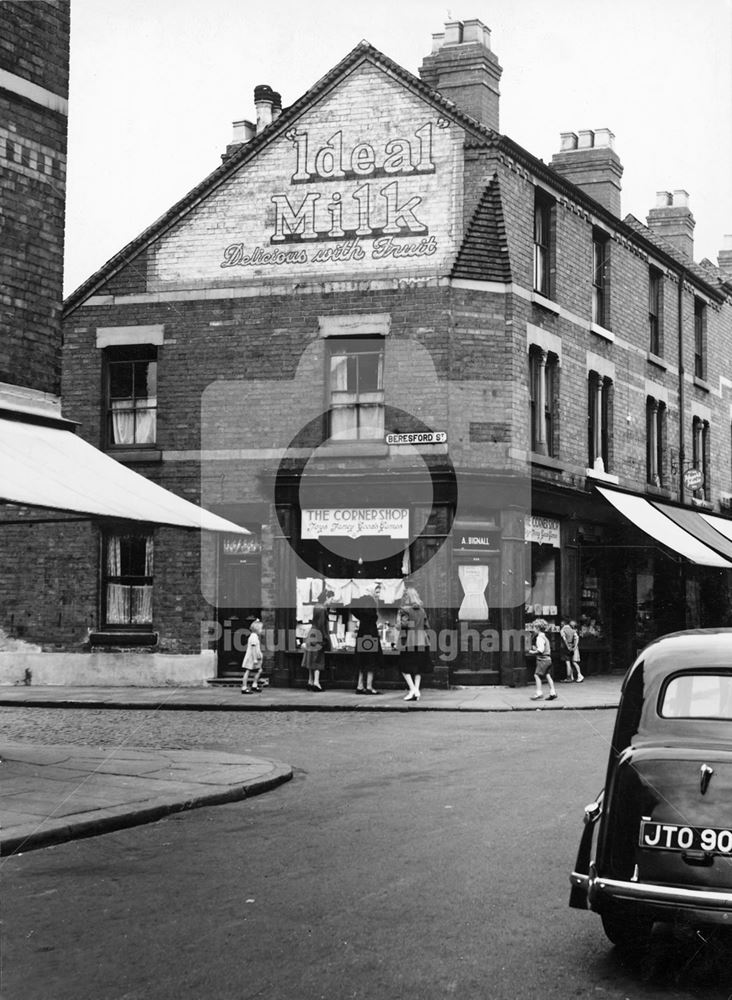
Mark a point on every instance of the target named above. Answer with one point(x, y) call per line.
point(543, 669)
point(252, 658)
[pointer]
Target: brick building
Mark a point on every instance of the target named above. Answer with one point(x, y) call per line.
point(55, 489)
point(395, 345)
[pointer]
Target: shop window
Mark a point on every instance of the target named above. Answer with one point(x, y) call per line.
point(127, 579)
point(599, 421)
point(356, 384)
point(655, 312)
point(655, 440)
point(600, 280)
point(700, 339)
point(700, 453)
point(543, 212)
point(131, 396)
point(542, 586)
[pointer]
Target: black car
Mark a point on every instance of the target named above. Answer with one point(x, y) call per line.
point(657, 843)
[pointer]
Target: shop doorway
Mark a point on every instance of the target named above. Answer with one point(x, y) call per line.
point(477, 626)
point(240, 600)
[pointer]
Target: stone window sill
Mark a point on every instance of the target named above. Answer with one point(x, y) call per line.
point(702, 383)
point(123, 639)
point(546, 461)
point(600, 331)
point(545, 303)
point(654, 359)
point(135, 454)
point(605, 477)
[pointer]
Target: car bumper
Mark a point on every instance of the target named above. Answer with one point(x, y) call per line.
point(598, 890)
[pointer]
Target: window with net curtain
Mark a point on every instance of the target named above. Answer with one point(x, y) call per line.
point(357, 390)
point(132, 396)
point(128, 579)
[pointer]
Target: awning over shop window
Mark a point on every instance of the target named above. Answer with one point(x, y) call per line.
point(48, 466)
point(718, 524)
point(700, 526)
point(644, 515)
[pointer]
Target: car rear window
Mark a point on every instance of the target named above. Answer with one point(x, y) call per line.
point(697, 696)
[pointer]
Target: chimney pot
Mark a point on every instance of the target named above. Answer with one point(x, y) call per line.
point(453, 32)
point(438, 41)
point(263, 101)
point(727, 242)
point(680, 198)
point(663, 199)
point(567, 140)
point(604, 138)
point(586, 139)
point(475, 31)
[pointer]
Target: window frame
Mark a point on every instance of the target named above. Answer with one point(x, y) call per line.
point(356, 348)
point(543, 256)
point(594, 380)
point(655, 311)
point(700, 338)
point(126, 579)
point(655, 414)
point(134, 356)
point(600, 279)
point(550, 371)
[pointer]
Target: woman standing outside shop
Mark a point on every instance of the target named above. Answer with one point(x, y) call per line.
point(368, 655)
point(317, 641)
point(414, 652)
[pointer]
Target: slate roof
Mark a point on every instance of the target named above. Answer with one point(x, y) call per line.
point(704, 272)
point(483, 255)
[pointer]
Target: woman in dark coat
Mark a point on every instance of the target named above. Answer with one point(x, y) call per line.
point(317, 641)
point(368, 654)
point(414, 650)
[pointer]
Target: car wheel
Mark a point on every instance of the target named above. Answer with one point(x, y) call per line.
point(627, 930)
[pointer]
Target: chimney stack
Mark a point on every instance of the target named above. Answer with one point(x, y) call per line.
point(588, 159)
point(462, 68)
point(243, 132)
point(672, 220)
point(724, 259)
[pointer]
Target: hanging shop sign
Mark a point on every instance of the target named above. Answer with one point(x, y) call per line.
point(355, 522)
point(423, 437)
point(543, 530)
point(693, 479)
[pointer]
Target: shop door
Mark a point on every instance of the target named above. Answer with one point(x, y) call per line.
point(240, 598)
point(477, 622)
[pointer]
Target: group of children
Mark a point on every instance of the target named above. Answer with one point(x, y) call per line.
point(570, 654)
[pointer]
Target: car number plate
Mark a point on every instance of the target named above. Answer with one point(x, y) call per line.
point(672, 837)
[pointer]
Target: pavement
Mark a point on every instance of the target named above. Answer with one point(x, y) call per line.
point(52, 794)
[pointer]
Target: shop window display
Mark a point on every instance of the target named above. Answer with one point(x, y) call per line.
point(342, 622)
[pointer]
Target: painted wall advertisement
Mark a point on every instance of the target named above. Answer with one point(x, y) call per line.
point(365, 179)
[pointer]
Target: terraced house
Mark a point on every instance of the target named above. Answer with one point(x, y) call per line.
point(394, 345)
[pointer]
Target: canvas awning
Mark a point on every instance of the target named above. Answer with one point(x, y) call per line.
point(701, 526)
point(44, 464)
point(656, 523)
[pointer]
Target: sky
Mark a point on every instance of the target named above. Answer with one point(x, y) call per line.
point(156, 84)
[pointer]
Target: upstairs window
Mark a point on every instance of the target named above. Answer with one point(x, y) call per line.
point(543, 206)
point(599, 421)
point(131, 396)
point(655, 307)
point(700, 454)
point(655, 443)
point(356, 379)
point(700, 339)
point(543, 400)
point(127, 579)
point(600, 283)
